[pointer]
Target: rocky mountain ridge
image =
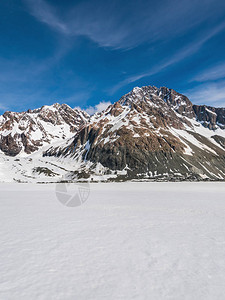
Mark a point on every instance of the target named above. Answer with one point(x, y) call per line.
point(149, 134)
point(29, 131)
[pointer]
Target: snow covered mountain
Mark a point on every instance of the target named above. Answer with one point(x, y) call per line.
point(150, 133)
point(28, 131)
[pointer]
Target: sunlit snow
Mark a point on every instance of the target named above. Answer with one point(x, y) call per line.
point(127, 241)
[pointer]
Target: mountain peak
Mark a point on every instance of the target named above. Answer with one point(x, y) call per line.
point(29, 131)
point(151, 95)
point(149, 132)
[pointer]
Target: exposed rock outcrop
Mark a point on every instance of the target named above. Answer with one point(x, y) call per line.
point(210, 117)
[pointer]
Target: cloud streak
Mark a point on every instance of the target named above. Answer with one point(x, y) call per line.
point(47, 14)
point(177, 57)
point(3, 107)
point(208, 93)
point(124, 25)
point(210, 74)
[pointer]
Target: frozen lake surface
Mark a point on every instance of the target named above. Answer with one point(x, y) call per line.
point(127, 241)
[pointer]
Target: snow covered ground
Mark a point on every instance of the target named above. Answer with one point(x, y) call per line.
point(127, 241)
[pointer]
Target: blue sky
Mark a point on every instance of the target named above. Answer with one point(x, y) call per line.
point(86, 53)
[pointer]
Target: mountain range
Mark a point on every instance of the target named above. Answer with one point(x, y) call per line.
point(149, 134)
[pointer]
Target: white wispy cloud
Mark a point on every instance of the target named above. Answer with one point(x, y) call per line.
point(98, 107)
point(3, 107)
point(123, 26)
point(46, 14)
point(208, 93)
point(213, 73)
point(183, 53)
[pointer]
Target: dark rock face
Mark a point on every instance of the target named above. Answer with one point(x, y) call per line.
point(220, 140)
point(9, 145)
point(210, 117)
point(180, 103)
point(143, 133)
point(29, 131)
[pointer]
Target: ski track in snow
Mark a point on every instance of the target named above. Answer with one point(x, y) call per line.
point(128, 241)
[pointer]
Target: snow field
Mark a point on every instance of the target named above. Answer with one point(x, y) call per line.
point(127, 241)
